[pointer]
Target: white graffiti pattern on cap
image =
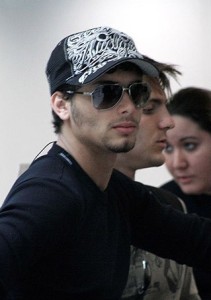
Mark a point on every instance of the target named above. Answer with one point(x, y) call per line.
point(90, 50)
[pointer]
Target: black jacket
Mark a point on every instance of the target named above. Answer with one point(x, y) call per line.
point(63, 238)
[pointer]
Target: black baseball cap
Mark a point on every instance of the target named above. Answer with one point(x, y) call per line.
point(82, 57)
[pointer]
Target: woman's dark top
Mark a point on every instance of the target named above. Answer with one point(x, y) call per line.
point(201, 205)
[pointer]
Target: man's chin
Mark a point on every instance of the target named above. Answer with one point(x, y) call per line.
point(154, 162)
point(123, 148)
point(158, 162)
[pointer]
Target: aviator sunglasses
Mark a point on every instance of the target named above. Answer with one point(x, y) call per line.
point(107, 95)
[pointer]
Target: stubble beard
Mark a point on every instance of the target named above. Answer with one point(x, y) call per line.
point(125, 147)
point(80, 120)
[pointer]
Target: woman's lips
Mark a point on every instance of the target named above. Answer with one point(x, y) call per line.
point(184, 179)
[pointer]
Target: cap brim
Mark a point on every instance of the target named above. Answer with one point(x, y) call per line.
point(146, 67)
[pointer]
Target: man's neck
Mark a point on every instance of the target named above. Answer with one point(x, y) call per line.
point(126, 171)
point(98, 165)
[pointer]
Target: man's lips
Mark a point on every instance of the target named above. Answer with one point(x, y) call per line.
point(125, 127)
point(161, 143)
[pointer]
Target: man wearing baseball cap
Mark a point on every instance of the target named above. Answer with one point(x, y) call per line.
point(68, 222)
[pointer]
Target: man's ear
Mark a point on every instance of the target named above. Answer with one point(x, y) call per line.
point(60, 106)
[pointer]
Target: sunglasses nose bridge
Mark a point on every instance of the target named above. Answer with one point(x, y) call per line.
point(126, 90)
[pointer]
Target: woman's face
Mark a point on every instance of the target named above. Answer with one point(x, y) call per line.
point(188, 156)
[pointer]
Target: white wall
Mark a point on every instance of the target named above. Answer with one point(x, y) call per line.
point(174, 31)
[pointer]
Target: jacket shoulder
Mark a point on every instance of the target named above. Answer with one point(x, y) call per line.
point(167, 198)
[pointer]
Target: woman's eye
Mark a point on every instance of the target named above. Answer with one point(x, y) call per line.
point(190, 146)
point(168, 149)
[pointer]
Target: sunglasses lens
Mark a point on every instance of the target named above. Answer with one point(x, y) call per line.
point(106, 96)
point(140, 93)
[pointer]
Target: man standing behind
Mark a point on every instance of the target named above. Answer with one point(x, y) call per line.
point(152, 277)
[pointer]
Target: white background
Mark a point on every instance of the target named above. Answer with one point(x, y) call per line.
point(172, 31)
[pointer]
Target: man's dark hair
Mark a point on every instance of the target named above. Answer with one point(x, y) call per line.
point(165, 72)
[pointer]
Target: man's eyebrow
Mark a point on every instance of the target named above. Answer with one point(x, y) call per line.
point(158, 100)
